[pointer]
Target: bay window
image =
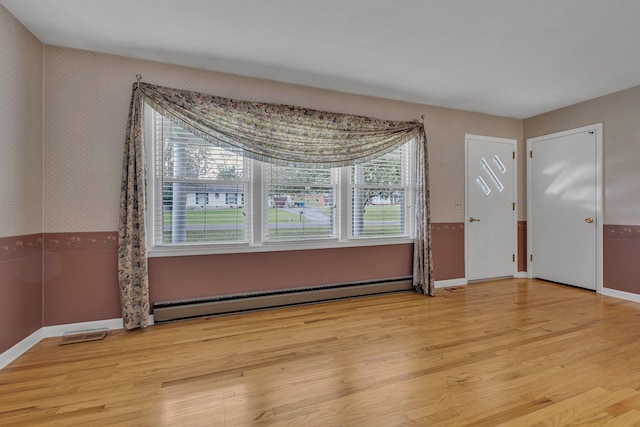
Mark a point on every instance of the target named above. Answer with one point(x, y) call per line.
point(214, 199)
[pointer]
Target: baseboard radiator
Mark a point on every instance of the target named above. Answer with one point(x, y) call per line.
point(186, 309)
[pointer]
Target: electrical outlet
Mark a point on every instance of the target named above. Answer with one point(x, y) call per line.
point(458, 206)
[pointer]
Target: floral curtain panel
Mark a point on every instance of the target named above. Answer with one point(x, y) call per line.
point(132, 254)
point(422, 261)
point(273, 133)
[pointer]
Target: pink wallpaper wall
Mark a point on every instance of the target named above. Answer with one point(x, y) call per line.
point(80, 278)
point(621, 250)
point(81, 282)
point(20, 288)
point(177, 278)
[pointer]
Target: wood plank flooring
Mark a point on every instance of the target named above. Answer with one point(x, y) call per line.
point(512, 352)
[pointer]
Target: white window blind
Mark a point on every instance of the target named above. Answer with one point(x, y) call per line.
point(201, 191)
point(300, 204)
point(381, 195)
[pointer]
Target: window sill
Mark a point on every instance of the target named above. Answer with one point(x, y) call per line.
point(191, 250)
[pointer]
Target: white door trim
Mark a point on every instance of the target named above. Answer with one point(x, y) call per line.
point(514, 143)
point(597, 128)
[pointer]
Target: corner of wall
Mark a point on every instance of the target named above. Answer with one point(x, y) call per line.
point(22, 141)
point(43, 207)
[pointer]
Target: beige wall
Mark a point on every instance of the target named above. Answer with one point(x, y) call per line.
point(21, 129)
point(21, 114)
point(620, 114)
point(86, 102)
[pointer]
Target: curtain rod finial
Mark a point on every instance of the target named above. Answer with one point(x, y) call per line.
point(138, 78)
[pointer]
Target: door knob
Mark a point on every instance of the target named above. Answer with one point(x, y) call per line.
point(472, 219)
point(588, 220)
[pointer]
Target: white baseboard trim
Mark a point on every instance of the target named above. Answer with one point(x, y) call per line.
point(520, 275)
point(451, 282)
point(19, 349)
point(621, 294)
point(23, 346)
point(60, 330)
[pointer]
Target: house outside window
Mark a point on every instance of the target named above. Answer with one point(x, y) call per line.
point(202, 199)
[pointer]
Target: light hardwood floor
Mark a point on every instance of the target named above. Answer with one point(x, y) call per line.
point(513, 352)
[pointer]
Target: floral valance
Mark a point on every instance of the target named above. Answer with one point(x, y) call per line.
point(281, 134)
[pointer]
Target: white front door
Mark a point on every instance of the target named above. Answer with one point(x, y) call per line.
point(564, 207)
point(490, 224)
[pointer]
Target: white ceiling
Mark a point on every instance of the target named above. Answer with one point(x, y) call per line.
point(513, 58)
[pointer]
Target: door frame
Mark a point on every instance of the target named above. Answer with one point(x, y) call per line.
point(514, 145)
point(597, 128)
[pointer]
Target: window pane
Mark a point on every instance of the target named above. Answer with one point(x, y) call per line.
point(383, 171)
point(378, 193)
point(203, 194)
point(491, 174)
point(300, 203)
point(300, 176)
point(205, 216)
point(200, 189)
point(381, 215)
